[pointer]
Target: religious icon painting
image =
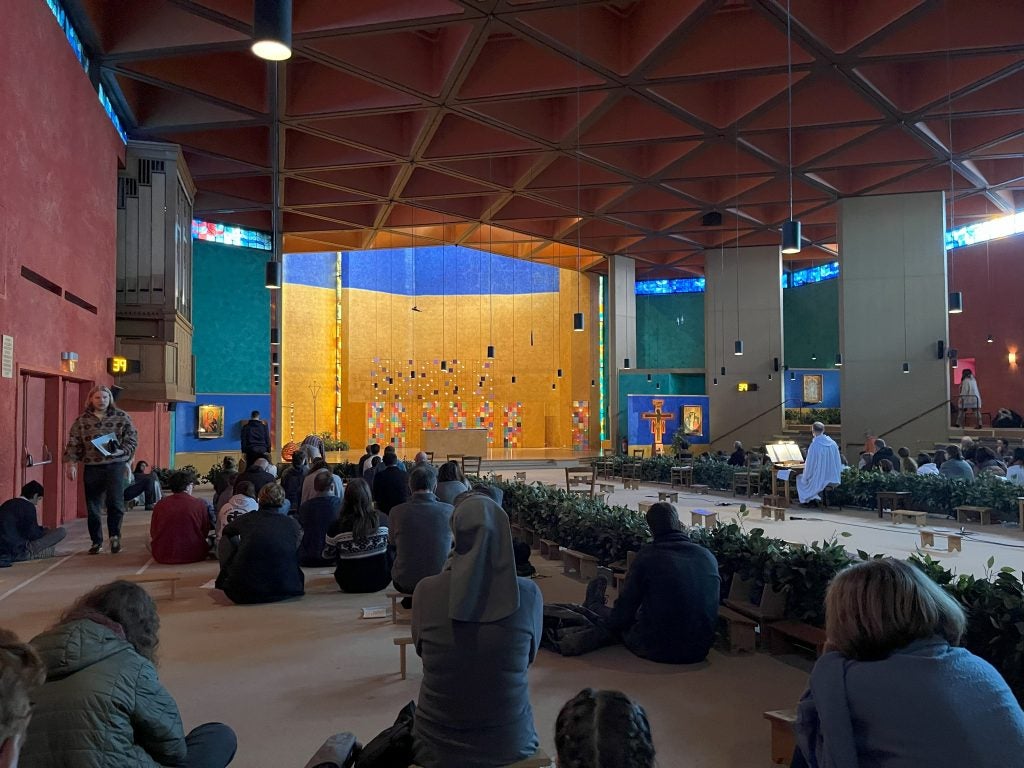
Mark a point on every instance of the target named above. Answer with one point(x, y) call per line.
point(211, 421)
point(812, 388)
point(693, 420)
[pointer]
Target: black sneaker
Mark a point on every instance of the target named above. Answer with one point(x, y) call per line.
point(115, 544)
point(95, 549)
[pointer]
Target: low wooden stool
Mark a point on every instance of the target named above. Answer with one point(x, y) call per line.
point(910, 515)
point(672, 496)
point(155, 578)
point(782, 634)
point(549, 549)
point(402, 643)
point(631, 482)
point(520, 477)
point(704, 518)
point(783, 735)
point(585, 565)
point(953, 540)
point(700, 488)
point(741, 629)
point(606, 487)
point(963, 513)
point(396, 598)
point(643, 506)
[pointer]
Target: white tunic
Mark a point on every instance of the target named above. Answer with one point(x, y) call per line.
point(822, 468)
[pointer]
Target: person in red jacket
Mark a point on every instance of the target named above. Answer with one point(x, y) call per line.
point(180, 524)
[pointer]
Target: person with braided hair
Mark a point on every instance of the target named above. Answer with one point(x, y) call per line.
point(21, 672)
point(603, 729)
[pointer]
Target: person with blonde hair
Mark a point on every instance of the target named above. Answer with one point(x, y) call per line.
point(894, 689)
point(21, 673)
point(107, 463)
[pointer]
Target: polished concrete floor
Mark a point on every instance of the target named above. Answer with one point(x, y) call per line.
point(286, 676)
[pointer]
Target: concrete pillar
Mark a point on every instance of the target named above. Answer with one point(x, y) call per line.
point(621, 333)
point(751, 310)
point(892, 309)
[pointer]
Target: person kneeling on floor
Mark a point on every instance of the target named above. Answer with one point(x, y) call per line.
point(667, 610)
point(21, 536)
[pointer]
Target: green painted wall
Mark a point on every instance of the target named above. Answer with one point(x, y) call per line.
point(664, 343)
point(811, 318)
point(231, 319)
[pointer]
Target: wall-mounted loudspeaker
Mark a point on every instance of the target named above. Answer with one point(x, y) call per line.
point(775, 364)
point(940, 348)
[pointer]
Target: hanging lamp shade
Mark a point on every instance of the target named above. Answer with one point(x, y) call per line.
point(559, 373)
point(716, 381)
point(839, 360)
point(990, 340)
point(648, 377)
point(792, 375)
point(444, 365)
point(577, 321)
point(272, 29)
point(738, 347)
point(791, 236)
point(275, 336)
point(906, 367)
point(490, 351)
point(273, 275)
point(513, 379)
point(722, 373)
point(625, 363)
point(956, 302)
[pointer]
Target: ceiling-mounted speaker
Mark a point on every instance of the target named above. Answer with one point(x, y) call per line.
point(775, 364)
point(940, 349)
point(952, 353)
point(711, 219)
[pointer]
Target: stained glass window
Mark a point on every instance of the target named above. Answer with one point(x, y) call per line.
point(228, 235)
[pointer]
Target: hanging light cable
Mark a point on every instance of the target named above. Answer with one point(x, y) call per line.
point(956, 298)
point(738, 344)
point(577, 318)
point(791, 240)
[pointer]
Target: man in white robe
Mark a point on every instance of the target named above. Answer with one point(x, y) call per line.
point(822, 468)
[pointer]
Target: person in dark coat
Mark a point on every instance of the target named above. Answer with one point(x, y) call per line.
point(390, 485)
point(293, 477)
point(739, 456)
point(668, 608)
point(21, 536)
point(143, 484)
point(257, 474)
point(255, 438)
point(103, 704)
point(316, 516)
point(260, 553)
point(883, 451)
point(420, 532)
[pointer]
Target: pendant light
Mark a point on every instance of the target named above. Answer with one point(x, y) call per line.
point(273, 275)
point(577, 318)
point(791, 228)
point(990, 340)
point(956, 299)
point(625, 364)
point(275, 337)
point(839, 360)
point(738, 347)
point(272, 29)
point(906, 367)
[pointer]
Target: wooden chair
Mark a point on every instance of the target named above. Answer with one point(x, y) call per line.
point(639, 453)
point(430, 456)
point(455, 457)
point(580, 480)
point(471, 465)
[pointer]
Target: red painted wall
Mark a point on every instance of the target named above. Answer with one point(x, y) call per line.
point(153, 424)
point(59, 158)
point(991, 277)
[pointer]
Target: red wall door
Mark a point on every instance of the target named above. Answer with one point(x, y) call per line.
point(41, 445)
point(73, 494)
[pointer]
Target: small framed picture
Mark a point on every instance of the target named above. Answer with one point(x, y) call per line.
point(211, 421)
point(812, 388)
point(693, 420)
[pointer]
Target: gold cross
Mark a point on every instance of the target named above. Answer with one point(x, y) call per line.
point(657, 419)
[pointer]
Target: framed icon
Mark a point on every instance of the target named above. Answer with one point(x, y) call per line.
point(693, 420)
point(211, 421)
point(813, 388)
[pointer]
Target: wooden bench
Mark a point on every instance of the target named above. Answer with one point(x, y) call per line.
point(890, 499)
point(703, 518)
point(402, 643)
point(549, 549)
point(631, 482)
point(953, 540)
point(783, 735)
point(698, 488)
point(538, 759)
point(910, 515)
point(1020, 512)
point(396, 599)
point(672, 496)
point(785, 636)
point(771, 608)
point(964, 513)
point(606, 487)
point(155, 578)
point(741, 630)
point(585, 565)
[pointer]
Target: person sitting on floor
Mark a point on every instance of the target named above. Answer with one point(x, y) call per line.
point(822, 468)
point(243, 500)
point(316, 467)
point(894, 689)
point(739, 456)
point(180, 524)
point(865, 460)
point(885, 467)
point(603, 729)
point(1003, 451)
point(907, 465)
point(420, 533)
point(358, 543)
point(477, 627)
point(21, 535)
point(954, 467)
point(228, 480)
point(260, 553)
point(667, 610)
point(360, 466)
point(316, 516)
point(390, 485)
point(293, 477)
point(21, 674)
point(103, 703)
point(258, 474)
point(451, 481)
point(1015, 472)
point(926, 465)
point(883, 451)
point(143, 484)
point(986, 462)
point(222, 481)
point(370, 469)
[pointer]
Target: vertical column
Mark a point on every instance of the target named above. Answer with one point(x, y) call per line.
point(743, 300)
point(892, 309)
point(621, 336)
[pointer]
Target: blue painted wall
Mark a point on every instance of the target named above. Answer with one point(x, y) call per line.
point(236, 412)
point(829, 385)
point(231, 343)
point(640, 429)
point(671, 384)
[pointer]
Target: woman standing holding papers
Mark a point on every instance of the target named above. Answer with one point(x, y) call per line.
point(106, 472)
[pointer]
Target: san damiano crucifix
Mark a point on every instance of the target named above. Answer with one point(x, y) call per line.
point(657, 419)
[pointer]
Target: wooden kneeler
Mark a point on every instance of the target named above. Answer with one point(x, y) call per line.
point(396, 598)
